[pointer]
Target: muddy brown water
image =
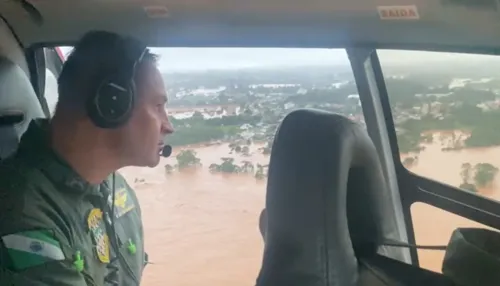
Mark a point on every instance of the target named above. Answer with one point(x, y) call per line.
point(202, 228)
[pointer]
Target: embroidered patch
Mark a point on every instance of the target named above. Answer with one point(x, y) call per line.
point(123, 203)
point(97, 229)
point(32, 248)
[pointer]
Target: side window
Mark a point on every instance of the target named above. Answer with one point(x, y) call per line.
point(436, 233)
point(54, 58)
point(50, 92)
point(446, 110)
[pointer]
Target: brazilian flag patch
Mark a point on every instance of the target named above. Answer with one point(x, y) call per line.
point(32, 248)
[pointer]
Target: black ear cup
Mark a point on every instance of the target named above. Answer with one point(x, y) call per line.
point(112, 104)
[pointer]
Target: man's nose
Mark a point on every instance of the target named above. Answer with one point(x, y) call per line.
point(167, 127)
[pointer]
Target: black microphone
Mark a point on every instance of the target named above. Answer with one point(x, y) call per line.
point(166, 151)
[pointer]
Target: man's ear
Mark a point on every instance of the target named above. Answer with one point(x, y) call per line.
point(263, 224)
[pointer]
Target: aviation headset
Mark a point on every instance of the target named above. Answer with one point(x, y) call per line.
point(112, 104)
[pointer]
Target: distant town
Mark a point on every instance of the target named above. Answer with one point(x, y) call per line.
point(244, 107)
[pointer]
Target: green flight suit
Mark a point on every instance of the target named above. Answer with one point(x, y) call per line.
point(51, 228)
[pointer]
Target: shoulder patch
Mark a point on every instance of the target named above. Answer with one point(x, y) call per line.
point(32, 248)
point(123, 202)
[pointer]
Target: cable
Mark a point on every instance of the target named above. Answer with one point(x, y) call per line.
point(112, 277)
point(113, 205)
point(113, 265)
point(408, 245)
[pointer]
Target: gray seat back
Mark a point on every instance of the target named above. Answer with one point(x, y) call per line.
point(323, 203)
point(18, 99)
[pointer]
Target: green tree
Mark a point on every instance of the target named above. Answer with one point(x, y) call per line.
point(247, 167)
point(187, 158)
point(468, 187)
point(428, 138)
point(259, 175)
point(196, 129)
point(227, 166)
point(466, 173)
point(197, 116)
point(245, 151)
point(485, 174)
point(234, 147)
point(265, 150)
point(214, 168)
point(409, 161)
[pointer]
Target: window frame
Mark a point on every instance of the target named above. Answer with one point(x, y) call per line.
point(36, 63)
point(415, 188)
point(49, 58)
point(364, 65)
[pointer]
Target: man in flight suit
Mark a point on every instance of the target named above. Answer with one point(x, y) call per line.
point(58, 222)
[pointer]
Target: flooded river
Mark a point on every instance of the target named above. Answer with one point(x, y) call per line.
point(202, 228)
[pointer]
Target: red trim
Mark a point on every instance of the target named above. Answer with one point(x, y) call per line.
point(59, 53)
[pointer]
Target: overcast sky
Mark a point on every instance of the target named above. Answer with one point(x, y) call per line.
point(216, 58)
point(178, 59)
point(174, 59)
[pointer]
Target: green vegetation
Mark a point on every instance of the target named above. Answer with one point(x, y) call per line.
point(410, 161)
point(247, 167)
point(468, 187)
point(187, 158)
point(261, 117)
point(410, 142)
point(479, 176)
point(266, 150)
point(418, 109)
point(196, 129)
point(484, 174)
point(227, 166)
point(466, 174)
point(422, 103)
point(236, 147)
point(260, 174)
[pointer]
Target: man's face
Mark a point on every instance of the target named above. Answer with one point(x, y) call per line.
point(142, 138)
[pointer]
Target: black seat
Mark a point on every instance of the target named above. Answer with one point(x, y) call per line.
point(326, 217)
point(18, 105)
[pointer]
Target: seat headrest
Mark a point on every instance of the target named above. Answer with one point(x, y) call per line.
point(17, 96)
point(309, 226)
point(473, 257)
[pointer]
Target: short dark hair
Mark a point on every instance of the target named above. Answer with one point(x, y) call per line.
point(97, 55)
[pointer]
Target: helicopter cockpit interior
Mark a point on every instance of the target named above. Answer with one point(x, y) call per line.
point(339, 197)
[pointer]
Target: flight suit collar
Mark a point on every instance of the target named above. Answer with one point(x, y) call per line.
point(35, 145)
